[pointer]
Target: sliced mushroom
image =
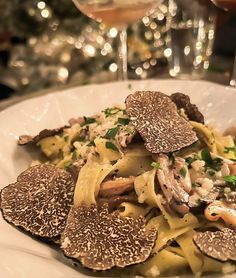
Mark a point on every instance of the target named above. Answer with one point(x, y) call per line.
point(115, 201)
point(219, 209)
point(116, 187)
point(125, 135)
point(183, 178)
point(182, 101)
point(172, 186)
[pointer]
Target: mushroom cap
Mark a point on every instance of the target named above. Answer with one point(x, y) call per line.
point(191, 110)
point(39, 201)
point(101, 240)
point(155, 117)
point(220, 245)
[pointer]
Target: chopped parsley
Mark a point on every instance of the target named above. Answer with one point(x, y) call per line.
point(129, 130)
point(171, 157)
point(91, 144)
point(111, 146)
point(230, 149)
point(214, 164)
point(156, 165)
point(74, 155)
point(67, 164)
point(194, 185)
point(81, 138)
point(211, 173)
point(88, 120)
point(66, 138)
point(230, 179)
point(183, 172)
point(111, 111)
point(123, 121)
point(189, 160)
point(111, 133)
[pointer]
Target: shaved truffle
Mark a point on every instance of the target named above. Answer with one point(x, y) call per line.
point(26, 139)
point(39, 201)
point(182, 101)
point(156, 118)
point(100, 240)
point(220, 245)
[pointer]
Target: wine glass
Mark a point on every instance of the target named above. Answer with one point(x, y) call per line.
point(119, 14)
point(230, 6)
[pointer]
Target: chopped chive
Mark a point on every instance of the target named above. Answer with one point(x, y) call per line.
point(206, 156)
point(156, 165)
point(230, 149)
point(194, 185)
point(211, 163)
point(183, 172)
point(230, 179)
point(189, 160)
point(91, 144)
point(81, 138)
point(129, 130)
point(67, 164)
point(111, 111)
point(74, 155)
point(130, 86)
point(111, 133)
point(211, 173)
point(111, 146)
point(88, 120)
point(66, 138)
point(123, 121)
point(171, 157)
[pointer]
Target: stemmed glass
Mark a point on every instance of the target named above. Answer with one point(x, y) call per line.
point(119, 14)
point(228, 5)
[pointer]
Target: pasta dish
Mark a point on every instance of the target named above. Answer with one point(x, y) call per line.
point(145, 188)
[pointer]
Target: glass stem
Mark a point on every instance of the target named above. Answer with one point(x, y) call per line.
point(233, 77)
point(122, 55)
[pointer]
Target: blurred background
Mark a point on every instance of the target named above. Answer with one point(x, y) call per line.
point(48, 44)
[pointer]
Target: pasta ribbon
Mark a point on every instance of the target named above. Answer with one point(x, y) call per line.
point(215, 140)
point(90, 177)
point(175, 221)
point(104, 152)
point(165, 233)
point(132, 166)
point(136, 150)
point(207, 135)
point(132, 210)
point(144, 186)
point(163, 263)
point(191, 252)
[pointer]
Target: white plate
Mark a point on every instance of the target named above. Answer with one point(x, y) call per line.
point(20, 255)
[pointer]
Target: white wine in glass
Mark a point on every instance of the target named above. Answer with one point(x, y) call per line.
point(230, 6)
point(119, 14)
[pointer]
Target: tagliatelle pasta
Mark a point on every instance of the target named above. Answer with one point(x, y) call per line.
point(164, 198)
point(87, 186)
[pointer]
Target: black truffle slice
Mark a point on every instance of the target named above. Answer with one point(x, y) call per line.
point(191, 110)
point(156, 118)
point(220, 245)
point(26, 139)
point(39, 201)
point(100, 240)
